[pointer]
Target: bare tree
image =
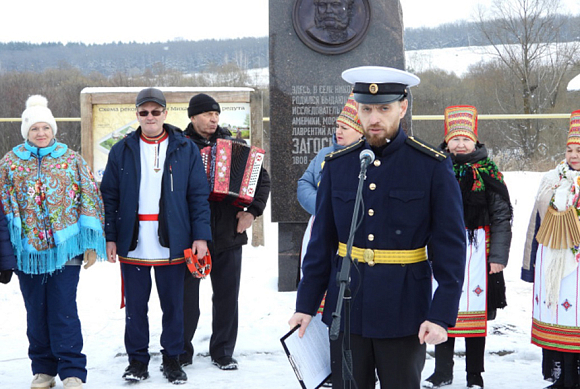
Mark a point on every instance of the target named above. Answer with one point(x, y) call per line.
point(525, 38)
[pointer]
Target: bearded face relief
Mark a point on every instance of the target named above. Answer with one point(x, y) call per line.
point(331, 21)
point(331, 26)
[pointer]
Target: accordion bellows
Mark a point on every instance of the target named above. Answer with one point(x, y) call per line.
point(233, 169)
point(559, 230)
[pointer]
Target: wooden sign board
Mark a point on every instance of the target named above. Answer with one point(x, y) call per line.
point(109, 114)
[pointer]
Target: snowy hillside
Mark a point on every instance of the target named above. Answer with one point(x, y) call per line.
point(455, 60)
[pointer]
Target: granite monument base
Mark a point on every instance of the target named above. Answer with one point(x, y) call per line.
point(289, 245)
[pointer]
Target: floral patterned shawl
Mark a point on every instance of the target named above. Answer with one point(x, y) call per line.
point(53, 206)
point(476, 174)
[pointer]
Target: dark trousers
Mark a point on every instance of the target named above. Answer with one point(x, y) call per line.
point(53, 325)
point(225, 282)
point(561, 367)
point(474, 355)
point(398, 362)
point(137, 284)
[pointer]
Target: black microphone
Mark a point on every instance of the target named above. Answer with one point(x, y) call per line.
point(366, 157)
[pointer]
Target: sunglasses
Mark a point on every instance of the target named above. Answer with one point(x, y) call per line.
point(146, 113)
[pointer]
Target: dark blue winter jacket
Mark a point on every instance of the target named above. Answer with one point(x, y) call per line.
point(184, 214)
point(7, 258)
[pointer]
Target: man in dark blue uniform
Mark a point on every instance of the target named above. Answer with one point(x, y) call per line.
point(411, 200)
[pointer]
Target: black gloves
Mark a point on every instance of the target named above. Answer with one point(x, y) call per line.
point(5, 276)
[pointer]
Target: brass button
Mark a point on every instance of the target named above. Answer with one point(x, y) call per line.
point(377, 163)
point(371, 237)
point(369, 256)
point(371, 212)
point(371, 263)
point(373, 186)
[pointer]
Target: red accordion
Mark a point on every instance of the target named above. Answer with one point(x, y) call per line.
point(232, 169)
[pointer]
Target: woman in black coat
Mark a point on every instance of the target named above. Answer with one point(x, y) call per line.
point(487, 215)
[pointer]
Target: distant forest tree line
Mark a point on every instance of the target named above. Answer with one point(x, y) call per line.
point(462, 34)
point(60, 72)
point(134, 58)
point(201, 56)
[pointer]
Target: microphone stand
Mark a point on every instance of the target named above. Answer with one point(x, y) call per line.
point(344, 293)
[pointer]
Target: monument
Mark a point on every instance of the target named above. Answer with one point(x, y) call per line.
point(311, 43)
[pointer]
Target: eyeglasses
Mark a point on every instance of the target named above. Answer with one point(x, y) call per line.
point(146, 113)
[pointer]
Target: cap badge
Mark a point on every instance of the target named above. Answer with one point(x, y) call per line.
point(373, 88)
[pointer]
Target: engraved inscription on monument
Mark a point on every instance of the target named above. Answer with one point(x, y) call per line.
point(331, 26)
point(314, 112)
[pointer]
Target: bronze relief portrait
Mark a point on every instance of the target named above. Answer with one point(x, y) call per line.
point(331, 26)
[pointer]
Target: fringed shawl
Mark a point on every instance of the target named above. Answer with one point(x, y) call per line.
point(476, 174)
point(564, 192)
point(53, 207)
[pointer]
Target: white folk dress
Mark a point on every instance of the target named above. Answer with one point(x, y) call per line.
point(556, 298)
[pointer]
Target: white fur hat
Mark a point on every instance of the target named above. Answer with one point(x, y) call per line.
point(36, 112)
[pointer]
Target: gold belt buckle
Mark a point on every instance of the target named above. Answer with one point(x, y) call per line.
point(369, 257)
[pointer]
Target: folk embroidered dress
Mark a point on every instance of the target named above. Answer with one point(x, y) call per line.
point(487, 215)
point(53, 206)
point(555, 272)
point(471, 319)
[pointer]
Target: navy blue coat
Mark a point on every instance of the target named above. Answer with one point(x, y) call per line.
point(183, 210)
point(416, 203)
point(7, 258)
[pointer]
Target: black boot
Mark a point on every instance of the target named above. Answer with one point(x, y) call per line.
point(136, 371)
point(443, 374)
point(226, 363)
point(185, 359)
point(559, 384)
point(474, 380)
point(437, 380)
point(172, 371)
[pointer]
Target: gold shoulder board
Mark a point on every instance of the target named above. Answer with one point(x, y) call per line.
point(425, 148)
point(346, 150)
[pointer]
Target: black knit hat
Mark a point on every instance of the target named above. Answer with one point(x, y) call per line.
point(202, 103)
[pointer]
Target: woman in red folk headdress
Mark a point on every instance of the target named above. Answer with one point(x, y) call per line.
point(487, 214)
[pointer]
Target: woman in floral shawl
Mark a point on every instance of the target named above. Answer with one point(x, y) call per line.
point(551, 255)
point(487, 215)
point(55, 219)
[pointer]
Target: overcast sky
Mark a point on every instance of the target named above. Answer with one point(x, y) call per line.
point(106, 21)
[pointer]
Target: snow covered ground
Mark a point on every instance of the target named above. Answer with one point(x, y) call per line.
point(453, 59)
point(511, 361)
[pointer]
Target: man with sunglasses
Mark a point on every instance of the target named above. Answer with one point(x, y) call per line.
point(155, 193)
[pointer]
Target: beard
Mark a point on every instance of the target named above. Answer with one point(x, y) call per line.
point(376, 140)
point(332, 22)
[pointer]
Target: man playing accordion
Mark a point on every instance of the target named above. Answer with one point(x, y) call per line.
point(229, 223)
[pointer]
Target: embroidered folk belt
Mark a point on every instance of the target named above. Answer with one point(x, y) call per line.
point(148, 217)
point(392, 257)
